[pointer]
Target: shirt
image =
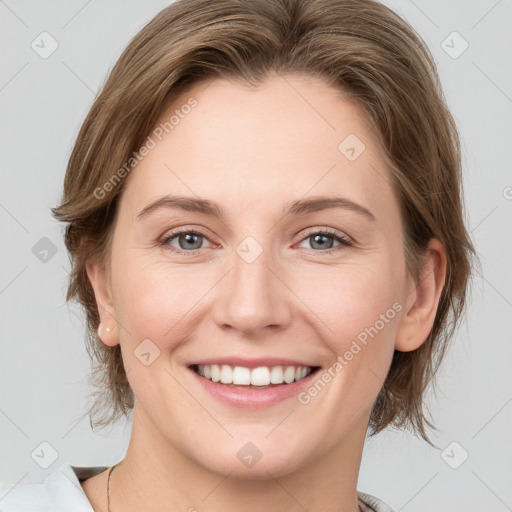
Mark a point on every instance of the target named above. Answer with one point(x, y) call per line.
point(61, 492)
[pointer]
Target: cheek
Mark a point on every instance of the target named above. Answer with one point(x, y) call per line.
point(358, 310)
point(153, 300)
point(346, 301)
point(359, 317)
point(153, 303)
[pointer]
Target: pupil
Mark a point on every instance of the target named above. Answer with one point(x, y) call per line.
point(189, 239)
point(316, 237)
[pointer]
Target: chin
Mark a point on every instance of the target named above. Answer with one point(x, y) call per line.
point(252, 461)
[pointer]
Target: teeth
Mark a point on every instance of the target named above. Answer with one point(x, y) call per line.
point(276, 375)
point(226, 374)
point(215, 372)
point(289, 374)
point(261, 376)
point(241, 376)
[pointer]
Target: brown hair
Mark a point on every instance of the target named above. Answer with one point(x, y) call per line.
point(360, 47)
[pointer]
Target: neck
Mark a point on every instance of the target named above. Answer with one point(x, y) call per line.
point(162, 478)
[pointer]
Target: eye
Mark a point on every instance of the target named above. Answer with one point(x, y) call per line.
point(320, 240)
point(190, 241)
point(186, 239)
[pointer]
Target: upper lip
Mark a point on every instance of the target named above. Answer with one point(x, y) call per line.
point(252, 363)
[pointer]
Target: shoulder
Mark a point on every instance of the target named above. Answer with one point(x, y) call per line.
point(370, 503)
point(59, 492)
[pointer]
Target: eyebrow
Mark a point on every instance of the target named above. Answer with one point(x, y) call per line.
point(297, 207)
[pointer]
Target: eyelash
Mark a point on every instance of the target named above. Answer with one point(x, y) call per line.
point(343, 239)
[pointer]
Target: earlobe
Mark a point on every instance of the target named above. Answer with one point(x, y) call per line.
point(98, 277)
point(422, 300)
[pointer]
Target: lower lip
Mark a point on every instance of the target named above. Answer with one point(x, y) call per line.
point(253, 397)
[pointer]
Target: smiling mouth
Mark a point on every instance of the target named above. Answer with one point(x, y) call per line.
point(261, 377)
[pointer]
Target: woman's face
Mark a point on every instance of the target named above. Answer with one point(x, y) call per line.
point(258, 287)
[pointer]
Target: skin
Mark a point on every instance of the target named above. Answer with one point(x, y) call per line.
point(253, 150)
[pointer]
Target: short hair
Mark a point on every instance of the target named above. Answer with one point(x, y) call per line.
point(360, 47)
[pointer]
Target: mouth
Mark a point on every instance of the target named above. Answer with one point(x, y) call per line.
point(252, 383)
point(258, 378)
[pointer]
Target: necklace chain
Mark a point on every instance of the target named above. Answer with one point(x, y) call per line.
point(108, 484)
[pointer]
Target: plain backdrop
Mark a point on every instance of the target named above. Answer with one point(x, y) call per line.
point(43, 363)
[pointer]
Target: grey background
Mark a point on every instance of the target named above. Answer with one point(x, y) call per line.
point(43, 362)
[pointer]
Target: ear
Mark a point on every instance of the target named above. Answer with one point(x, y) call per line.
point(108, 330)
point(422, 299)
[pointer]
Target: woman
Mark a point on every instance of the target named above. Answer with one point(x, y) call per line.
point(304, 150)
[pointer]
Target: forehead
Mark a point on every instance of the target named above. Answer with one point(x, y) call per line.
point(247, 146)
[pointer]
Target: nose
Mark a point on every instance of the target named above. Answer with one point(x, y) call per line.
point(254, 296)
